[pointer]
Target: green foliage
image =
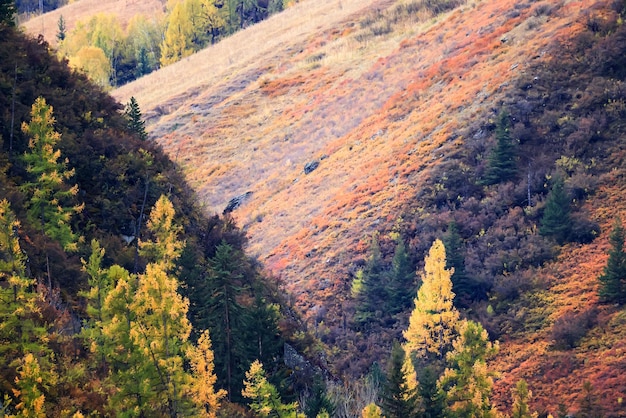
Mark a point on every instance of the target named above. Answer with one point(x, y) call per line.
point(521, 396)
point(556, 221)
point(61, 34)
point(502, 161)
point(589, 406)
point(467, 381)
point(264, 398)
point(135, 121)
point(49, 196)
point(397, 398)
point(370, 290)
point(400, 286)
point(431, 400)
point(463, 286)
point(613, 277)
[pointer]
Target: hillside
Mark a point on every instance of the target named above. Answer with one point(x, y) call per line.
point(81, 11)
point(397, 107)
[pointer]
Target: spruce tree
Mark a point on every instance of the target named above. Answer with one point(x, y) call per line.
point(462, 285)
point(556, 221)
point(521, 396)
point(135, 120)
point(370, 290)
point(613, 278)
point(502, 165)
point(397, 399)
point(61, 34)
point(401, 285)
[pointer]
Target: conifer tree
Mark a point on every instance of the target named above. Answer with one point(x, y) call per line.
point(23, 333)
point(135, 121)
point(401, 286)
point(556, 221)
point(433, 322)
point(613, 278)
point(61, 34)
point(467, 381)
point(502, 165)
point(264, 398)
point(462, 285)
point(397, 398)
point(48, 195)
point(370, 290)
point(202, 388)
point(521, 396)
point(177, 40)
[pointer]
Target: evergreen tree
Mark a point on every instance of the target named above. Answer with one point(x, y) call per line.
point(467, 382)
point(431, 400)
point(502, 166)
point(556, 221)
point(397, 399)
point(224, 313)
point(613, 278)
point(135, 121)
point(401, 285)
point(462, 285)
point(7, 13)
point(61, 34)
point(47, 193)
point(264, 398)
point(369, 289)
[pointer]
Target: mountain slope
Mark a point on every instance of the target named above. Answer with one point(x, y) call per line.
point(397, 108)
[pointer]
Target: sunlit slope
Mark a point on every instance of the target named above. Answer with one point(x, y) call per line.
point(82, 10)
point(318, 83)
point(378, 97)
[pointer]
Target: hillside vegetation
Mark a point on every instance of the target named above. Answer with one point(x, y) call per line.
point(393, 107)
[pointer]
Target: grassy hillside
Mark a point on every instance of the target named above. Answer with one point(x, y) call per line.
point(74, 12)
point(398, 104)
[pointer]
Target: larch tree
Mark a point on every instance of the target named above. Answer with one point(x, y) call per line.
point(202, 388)
point(26, 367)
point(467, 381)
point(521, 397)
point(613, 277)
point(264, 398)
point(433, 322)
point(177, 40)
point(49, 198)
point(160, 328)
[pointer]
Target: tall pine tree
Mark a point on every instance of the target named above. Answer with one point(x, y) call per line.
point(397, 398)
point(134, 118)
point(613, 278)
point(556, 221)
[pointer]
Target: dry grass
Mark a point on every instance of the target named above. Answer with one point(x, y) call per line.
point(47, 24)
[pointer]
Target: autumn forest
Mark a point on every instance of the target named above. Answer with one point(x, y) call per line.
point(406, 209)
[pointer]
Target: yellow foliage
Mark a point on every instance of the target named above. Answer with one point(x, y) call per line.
point(93, 62)
point(202, 388)
point(433, 322)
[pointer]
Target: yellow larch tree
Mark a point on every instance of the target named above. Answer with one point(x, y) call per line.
point(202, 388)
